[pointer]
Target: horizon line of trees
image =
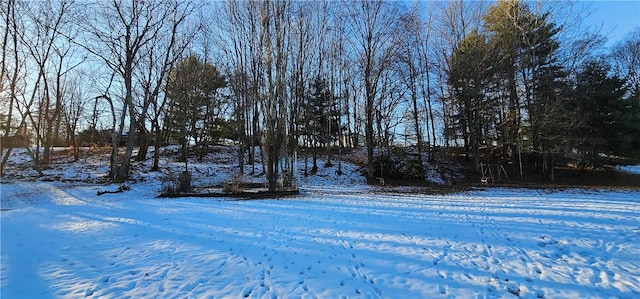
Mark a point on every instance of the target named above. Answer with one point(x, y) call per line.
point(281, 75)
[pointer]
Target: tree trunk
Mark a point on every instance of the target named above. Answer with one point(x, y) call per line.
point(122, 170)
point(369, 124)
point(416, 122)
point(314, 168)
point(156, 147)
point(143, 140)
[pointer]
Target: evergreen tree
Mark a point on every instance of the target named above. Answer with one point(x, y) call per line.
point(470, 74)
point(192, 89)
point(322, 118)
point(629, 131)
point(528, 72)
point(599, 111)
point(626, 65)
point(550, 118)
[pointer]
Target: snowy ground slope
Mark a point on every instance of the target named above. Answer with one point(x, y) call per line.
point(215, 169)
point(63, 241)
point(630, 168)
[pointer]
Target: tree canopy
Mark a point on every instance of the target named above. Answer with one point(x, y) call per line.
point(502, 77)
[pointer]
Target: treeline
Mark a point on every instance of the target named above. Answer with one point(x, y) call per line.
point(514, 76)
point(513, 85)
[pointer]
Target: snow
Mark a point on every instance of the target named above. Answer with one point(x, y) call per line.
point(340, 238)
point(634, 169)
point(339, 241)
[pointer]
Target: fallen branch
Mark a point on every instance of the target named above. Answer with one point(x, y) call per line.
point(119, 190)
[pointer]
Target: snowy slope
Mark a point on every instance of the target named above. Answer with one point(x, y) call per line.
point(67, 242)
point(217, 168)
point(635, 169)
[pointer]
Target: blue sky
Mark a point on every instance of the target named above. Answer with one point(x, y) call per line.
point(617, 18)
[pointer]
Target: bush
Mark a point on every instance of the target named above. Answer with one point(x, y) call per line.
point(235, 186)
point(172, 185)
point(399, 163)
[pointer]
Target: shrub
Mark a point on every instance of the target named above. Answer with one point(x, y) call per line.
point(235, 186)
point(399, 163)
point(172, 185)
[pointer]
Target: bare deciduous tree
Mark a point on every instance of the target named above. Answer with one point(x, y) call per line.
point(369, 26)
point(117, 33)
point(11, 71)
point(626, 60)
point(158, 57)
point(274, 38)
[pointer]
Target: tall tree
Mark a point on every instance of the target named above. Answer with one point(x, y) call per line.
point(235, 48)
point(11, 72)
point(117, 37)
point(626, 60)
point(159, 57)
point(49, 50)
point(626, 65)
point(528, 47)
point(470, 75)
point(241, 45)
point(410, 68)
point(453, 22)
point(192, 90)
point(308, 24)
point(599, 108)
point(274, 33)
point(369, 26)
point(506, 23)
point(415, 62)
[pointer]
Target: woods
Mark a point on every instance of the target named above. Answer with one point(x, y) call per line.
point(273, 78)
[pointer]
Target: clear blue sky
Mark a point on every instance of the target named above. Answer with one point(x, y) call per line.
point(617, 17)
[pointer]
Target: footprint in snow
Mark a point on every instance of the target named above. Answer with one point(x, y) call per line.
point(88, 292)
point(442, 289)
point(538, 270)
point(247, 292)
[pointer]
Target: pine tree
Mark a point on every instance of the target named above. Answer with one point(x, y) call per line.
point(322, 119)
point(470, 74)
point(527, 47)
point(192, 90)
point(599, 107)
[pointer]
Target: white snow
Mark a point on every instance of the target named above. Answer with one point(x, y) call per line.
point(340, 238)
point(65, 241)
point(635, 169)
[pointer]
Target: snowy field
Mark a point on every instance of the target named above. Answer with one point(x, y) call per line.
point(62, 241)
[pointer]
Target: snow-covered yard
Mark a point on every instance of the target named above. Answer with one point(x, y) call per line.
point(330, 242)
